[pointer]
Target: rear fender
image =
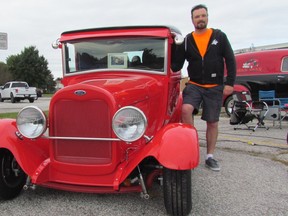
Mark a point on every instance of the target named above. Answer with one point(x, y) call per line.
point(240, 88)
point(237, 88)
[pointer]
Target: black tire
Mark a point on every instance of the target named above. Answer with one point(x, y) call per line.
point(177, 191)
point(12, 98)
point(12, 177)
point(229, 105)
point(31, 100)
point(1, 99)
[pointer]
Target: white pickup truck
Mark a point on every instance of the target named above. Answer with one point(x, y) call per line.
point(16, 91)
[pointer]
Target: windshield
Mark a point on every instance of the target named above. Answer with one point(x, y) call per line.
point(118, 53)
point(14, 85)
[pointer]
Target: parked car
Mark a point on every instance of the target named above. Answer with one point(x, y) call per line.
point(113, 128)
point(17, 91)
point(261, 70)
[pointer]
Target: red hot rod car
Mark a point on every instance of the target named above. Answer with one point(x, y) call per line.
point(114, 127)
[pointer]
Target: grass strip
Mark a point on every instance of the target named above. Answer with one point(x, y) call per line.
point(13, 115)
point(8, 115)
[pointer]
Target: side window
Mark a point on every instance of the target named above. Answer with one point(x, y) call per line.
point(284, 67)
point(71, 57)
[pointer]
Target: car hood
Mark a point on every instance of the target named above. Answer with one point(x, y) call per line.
point(129, 90)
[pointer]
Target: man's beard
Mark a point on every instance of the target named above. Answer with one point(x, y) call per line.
point(201, 25)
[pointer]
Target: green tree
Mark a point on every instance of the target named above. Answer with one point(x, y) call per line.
point(32, 68)
point(5, 75)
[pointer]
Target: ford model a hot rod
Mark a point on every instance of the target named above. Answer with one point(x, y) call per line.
point(114, 127)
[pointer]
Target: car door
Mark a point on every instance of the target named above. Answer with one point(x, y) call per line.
point(6, 91)
point(282, 79)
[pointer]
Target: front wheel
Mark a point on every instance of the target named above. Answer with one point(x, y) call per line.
point(12, 178)
point(177, 191)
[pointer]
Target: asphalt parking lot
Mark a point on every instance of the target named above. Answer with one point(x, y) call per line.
point(253, 181)
point(254, 174)
point(7, 106)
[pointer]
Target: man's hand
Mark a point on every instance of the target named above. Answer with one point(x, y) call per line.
point(228, 90)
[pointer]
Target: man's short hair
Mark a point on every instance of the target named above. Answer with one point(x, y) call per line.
point(199, 7)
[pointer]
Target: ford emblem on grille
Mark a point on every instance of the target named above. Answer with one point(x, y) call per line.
point(80, 92)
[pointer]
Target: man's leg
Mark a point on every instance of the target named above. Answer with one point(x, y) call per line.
point(211, 139)
point(212, 103)
point(211, 136)
point(192, 96)
point(187, 117)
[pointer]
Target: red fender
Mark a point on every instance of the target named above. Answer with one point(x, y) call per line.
point(240, 88)
point(28, 153)
point(237, 88)
point(178, 147)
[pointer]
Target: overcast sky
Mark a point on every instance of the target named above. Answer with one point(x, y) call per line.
point(39, 23)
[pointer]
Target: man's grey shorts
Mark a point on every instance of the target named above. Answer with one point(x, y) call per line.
point(210, 98)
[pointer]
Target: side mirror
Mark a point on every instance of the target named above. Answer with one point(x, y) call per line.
point(178, 38)
point(56, 44)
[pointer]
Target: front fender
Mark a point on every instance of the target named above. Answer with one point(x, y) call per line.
point(177, 147)
point(28, 153)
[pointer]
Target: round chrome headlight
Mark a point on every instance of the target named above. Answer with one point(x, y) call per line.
point(31, 122)
point(129, 123)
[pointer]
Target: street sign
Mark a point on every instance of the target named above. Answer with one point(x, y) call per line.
point(3, 41)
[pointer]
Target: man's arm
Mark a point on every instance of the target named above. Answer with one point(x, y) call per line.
point(177, 57)
point(230, 62)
